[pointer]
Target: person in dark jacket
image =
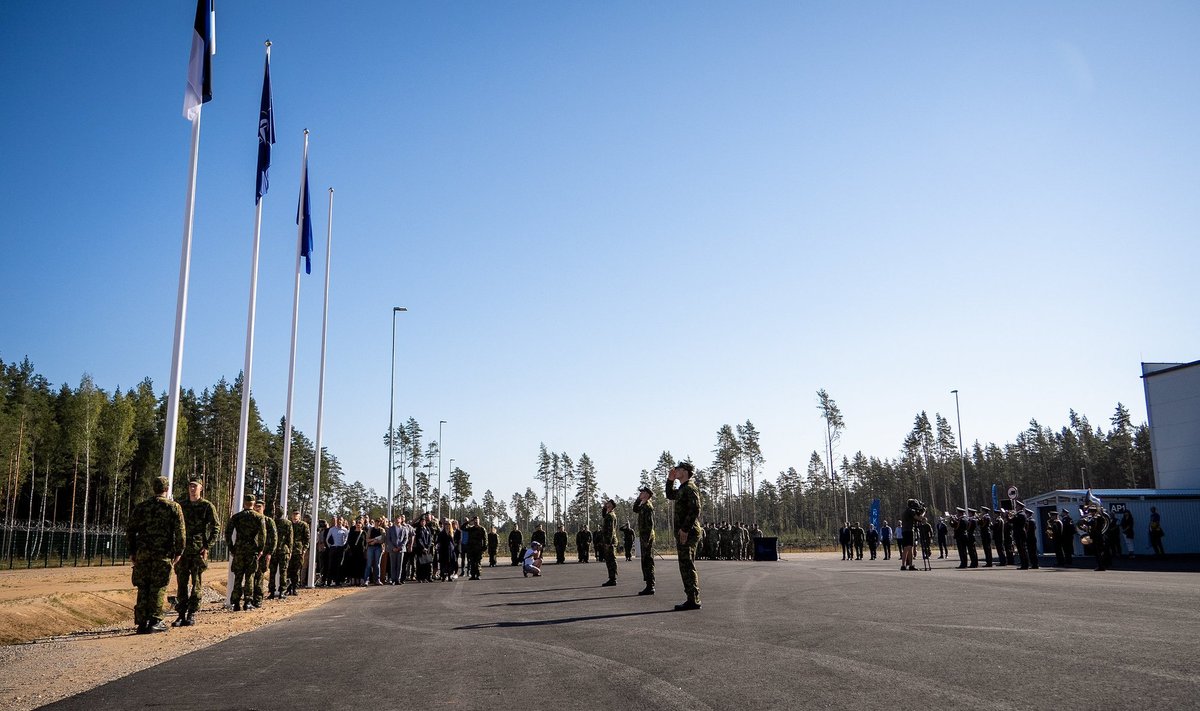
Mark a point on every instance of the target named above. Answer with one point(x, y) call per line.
point(515, 539)
point(560, 543)
point(493, 544)
point(872, 539)
point(447, 552)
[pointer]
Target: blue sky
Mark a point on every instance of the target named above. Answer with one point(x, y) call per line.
point(618, 226)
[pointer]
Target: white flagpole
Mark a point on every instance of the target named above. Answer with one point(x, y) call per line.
point(239, 480)
point(312, 548)
point(185, 266)
point(287, 434)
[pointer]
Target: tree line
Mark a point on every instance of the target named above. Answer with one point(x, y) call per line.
point(78, 458)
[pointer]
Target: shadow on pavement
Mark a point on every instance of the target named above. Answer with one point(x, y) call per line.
point(557, 602)
point(560, 621)
point(537, 590)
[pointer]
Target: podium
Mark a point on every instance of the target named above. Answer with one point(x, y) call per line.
point(766, 548)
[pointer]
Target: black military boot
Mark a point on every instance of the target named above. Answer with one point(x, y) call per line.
point(649, 590)
point(156, 625)
point(141, 628)
point(612, 582)
point(190, 619)
point(691, 604)
point(181, 620)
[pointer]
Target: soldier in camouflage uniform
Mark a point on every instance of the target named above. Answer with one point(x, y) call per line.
point(155, 536)
point(264, 562)
point(246, 537)
point(687, 529)
point(300, 535)
point(282, 555)
point(643, 506)
point(607, 549)
point(200, 521)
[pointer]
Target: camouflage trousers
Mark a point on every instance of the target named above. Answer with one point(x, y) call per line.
point(189, 573)
point(687, 566)
point(295, 565)
point(648, 560)
point(151, 576)
point(608, 553)
point(244, 565)
point(277, 576)
point(261, 571)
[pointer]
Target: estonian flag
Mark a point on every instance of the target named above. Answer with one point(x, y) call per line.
point(304, 219)
point(266, 131)
point(204, 46)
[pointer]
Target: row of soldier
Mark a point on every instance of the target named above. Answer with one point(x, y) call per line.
point(164, 536)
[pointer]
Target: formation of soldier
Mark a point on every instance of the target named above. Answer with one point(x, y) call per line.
point(728, 541)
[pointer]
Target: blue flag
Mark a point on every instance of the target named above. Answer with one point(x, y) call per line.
point(204, 45)
point(995, 499)
point(266, 131)
point(875, 513)
point(304, 219)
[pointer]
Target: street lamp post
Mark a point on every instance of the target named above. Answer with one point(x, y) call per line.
point(440, 423)
point(392, 416)
point(962, 458)
point(452, 475)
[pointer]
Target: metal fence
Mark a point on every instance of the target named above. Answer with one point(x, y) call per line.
point(55, 548)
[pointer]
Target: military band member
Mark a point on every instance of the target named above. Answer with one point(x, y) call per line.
point(200, 524)
point(998, 526)
point(687, 529)
point(1067, 541)
point(1020, 527)
point(985, 534)
point(1054, 532)
point(155, 536)
point(1031, 538)
point(643, 506)
point(971, 525)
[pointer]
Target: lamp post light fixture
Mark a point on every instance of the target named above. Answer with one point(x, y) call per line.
point(392, 416)
point(962, 458)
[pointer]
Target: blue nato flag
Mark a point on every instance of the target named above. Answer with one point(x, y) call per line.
point(266, 132)
point(304, 219)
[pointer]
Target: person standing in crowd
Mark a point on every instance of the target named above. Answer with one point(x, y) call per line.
point(423, 550)
point(476, 541)
point(282, 557)
point(958, 524)
point(844, 539)
point(300, 533)
point(1020, 527)
point(356, 554)
point(1127, 531)
point(912, 511)
point(462, 547)
point(627, 534)
point(885, 535)
point(445, 552)
point(583, 541)
point(539, 536)
point(942, 534)
point(322, 553)
point(1031, 539)
point(155, 536)
point(531, 563)
point(375, 535)
point(560, 544)
point(200, 524)
point(643, 506)
point(335, 540)
point(264, 562)
point(1156, 533)
point(246, 539)
point(872, 539)
point(515, 540)
point(493, 543)
point(687, 530)
point(608, 550)
point(971, 523)
point(856, 537)
point(396, 540)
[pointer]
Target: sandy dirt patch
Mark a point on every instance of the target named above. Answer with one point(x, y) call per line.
point(66, 630)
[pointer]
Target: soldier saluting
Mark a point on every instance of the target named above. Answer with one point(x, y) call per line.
point(687, 529)
point(643, 506)
point(155, 535)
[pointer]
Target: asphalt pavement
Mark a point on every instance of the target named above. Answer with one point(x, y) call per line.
point(808, 632)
